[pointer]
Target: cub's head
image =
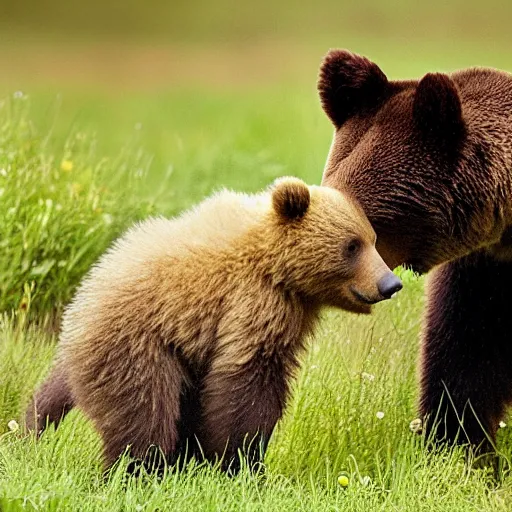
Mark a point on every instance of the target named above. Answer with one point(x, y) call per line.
point(328, 248)
point(396, 150)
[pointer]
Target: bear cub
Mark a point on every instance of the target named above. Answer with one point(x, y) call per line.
point(184, 338)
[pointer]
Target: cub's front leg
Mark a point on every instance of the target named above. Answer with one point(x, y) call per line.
point(241, 403)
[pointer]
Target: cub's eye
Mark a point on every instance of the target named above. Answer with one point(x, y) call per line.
point(353, 247)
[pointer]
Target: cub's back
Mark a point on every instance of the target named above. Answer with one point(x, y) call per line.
point(152, 271)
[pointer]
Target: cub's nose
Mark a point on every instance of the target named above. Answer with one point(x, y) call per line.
point(388, 285)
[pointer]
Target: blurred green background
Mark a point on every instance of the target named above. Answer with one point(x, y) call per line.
point(187, 70)
point(157, 44)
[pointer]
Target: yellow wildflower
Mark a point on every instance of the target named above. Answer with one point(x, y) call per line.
point(66, 165)
point(343, 479)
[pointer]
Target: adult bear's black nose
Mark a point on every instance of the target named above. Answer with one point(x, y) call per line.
point(388, 285)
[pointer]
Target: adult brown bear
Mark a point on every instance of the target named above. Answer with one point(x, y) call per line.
point(430, 161)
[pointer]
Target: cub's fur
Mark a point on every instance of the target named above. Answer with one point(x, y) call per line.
point(185, 335)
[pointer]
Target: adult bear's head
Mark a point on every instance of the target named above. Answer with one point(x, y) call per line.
point(418, 155)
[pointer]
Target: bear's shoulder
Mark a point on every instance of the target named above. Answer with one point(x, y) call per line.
point(214, 224)
point(482, 83)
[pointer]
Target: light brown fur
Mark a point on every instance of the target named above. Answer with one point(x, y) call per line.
point(187, 331)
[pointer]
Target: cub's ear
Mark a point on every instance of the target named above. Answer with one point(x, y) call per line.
point(349, 84)
point(437, 109)
point(290, 198)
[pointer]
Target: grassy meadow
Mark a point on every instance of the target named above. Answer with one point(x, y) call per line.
point(78, 165)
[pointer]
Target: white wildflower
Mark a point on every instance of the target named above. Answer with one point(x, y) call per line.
point(416, 426)
point(13, 426)
point(365, 481)
point(107, 218)
point(380, 415)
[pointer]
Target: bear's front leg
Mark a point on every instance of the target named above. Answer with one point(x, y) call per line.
point(241, 405)
point(466, 379)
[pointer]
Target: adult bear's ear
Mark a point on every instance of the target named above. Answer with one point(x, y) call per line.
point(349, 84)
point(437, 108)
point(290, 198)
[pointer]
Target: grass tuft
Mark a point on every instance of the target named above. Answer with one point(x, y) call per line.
point(59, 211)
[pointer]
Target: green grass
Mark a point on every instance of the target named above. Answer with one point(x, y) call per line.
point(354, 368)
point(187, 144)
point(170, 151)
point(58, 210)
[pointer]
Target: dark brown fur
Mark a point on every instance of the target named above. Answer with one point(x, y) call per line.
point(186, 335)
point(430, 162)
point(54, 397)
